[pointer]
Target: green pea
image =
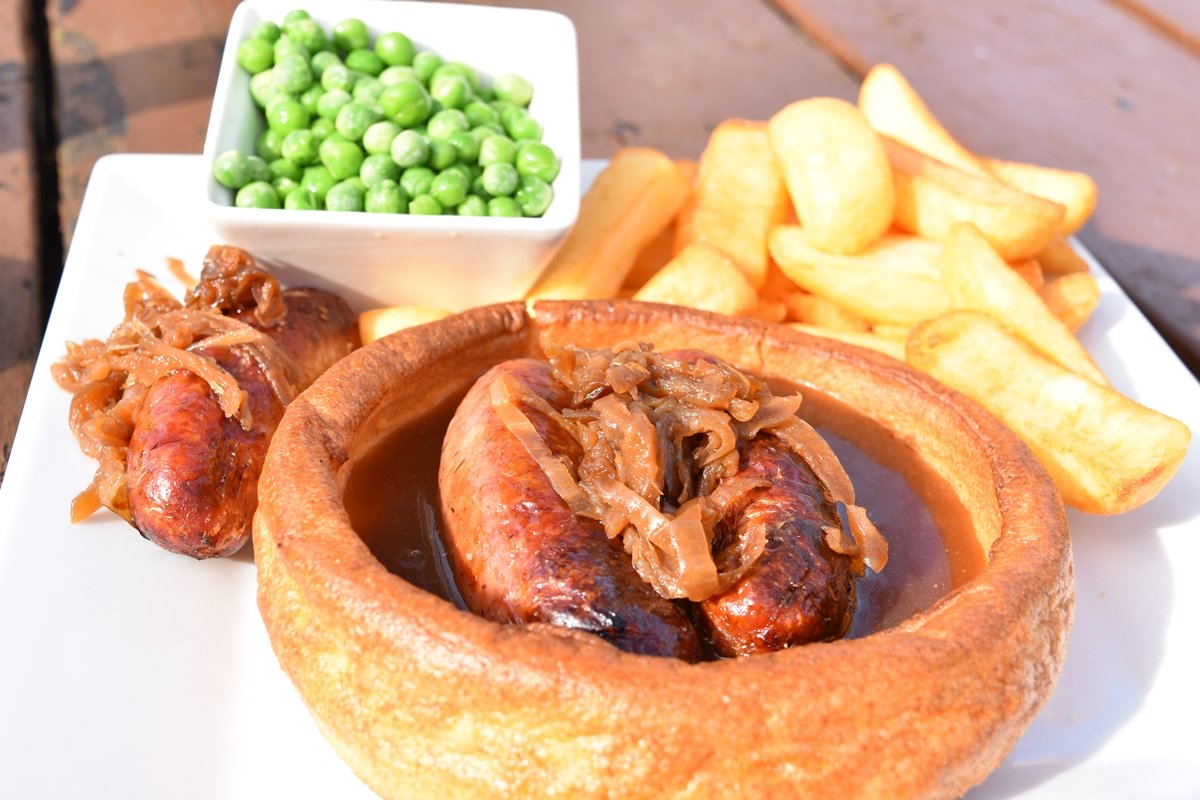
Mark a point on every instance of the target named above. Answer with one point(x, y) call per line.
point(318, 180)
point(266, 30)
point(322, 61)
point(425, 205)
point(368, 89)
point(257, 194)
point(406, 103)
point(452, 91)
point(332, 102)
point(425, 63)
point(338, 76)
point(503, 207)
point(267, 145)
point(307, 32)
point(301, 199)
point(497, 150)
point(466, 145)
point(354, 118)
point(310, 97)
point(500, 179)
point(376, 168)
point(341, 158)
point(461, 169)
point(467, 72)
point(482, 132)
point(472, 206)
point(263, 88)
point(255, 55)
point(480, 113)
point(513, 89)
point(286, 114)
point(283, 168)
point(416, 181)
point(441, 153)
point(259, 171)
point(533, 196)
point(377, 139)
point(232, 169)
point(409, 149)
point(295, 14)
point(301, 147)
point(345, 196)
point(397, 74)
point(395, 49)
point(446, 122)
point(322, 128)
point(449, 188)
point(287, 46)
point(293, 74)
point(478, 189)
point(520, 125)
point(365, 61)
point(538, 160)
point(386, 197)
point(284, 186)
point(351, 34)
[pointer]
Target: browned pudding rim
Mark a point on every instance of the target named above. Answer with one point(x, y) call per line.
point(954, 648)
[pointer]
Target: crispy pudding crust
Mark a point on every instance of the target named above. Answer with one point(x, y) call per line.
point(424, 699)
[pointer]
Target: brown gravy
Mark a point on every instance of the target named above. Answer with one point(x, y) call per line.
point(392, 499)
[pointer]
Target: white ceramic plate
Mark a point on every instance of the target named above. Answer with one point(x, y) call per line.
point(128, 672)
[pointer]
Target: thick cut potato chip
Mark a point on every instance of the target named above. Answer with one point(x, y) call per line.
point(836, 172)
point(1072, 298)
point(978, 279)
point(739, 195)
point(1107, 453)
point(931, 197)
point(1030, 271)
point(891, 347)
point(895, 280)
point(893, 107)
point(1074, 191)
point(630, 202)
point(813, 309)
point(1058, 257)
point(379, 322)
point(653, 257)
point(702, 277)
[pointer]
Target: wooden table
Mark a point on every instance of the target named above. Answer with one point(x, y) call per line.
point(1104, 86)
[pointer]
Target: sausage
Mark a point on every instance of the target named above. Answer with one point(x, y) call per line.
point(192, 472)
point(799, 590)
point(518, 551)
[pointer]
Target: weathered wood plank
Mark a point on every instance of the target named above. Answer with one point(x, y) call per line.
point(130, 77)
point(1081, 85)
point(20, 298)
point(663, 74)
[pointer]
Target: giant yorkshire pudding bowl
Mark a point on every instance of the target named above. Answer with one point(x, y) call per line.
point(424, 699)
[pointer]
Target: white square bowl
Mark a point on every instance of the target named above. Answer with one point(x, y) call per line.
point(370, 259)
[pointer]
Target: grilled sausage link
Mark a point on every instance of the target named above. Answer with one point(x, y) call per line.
point(192, 472)
point(799, 590)
point(519, 553)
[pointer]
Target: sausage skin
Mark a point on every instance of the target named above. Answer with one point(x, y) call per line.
point(799, 590)
point(518, 551)
point(192, 473)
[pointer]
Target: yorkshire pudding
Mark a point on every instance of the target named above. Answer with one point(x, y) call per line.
point(424, 699)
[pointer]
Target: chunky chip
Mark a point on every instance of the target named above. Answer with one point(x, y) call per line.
point(1106, 453)
point(836, 172)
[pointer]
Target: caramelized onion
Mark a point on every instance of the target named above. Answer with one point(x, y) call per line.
point(660, 436)
point(160, 335)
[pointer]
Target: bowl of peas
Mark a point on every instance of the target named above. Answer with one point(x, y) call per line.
point(396, 152)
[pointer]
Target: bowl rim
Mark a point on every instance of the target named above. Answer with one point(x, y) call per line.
point(1012, 618)
point(559, 217)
